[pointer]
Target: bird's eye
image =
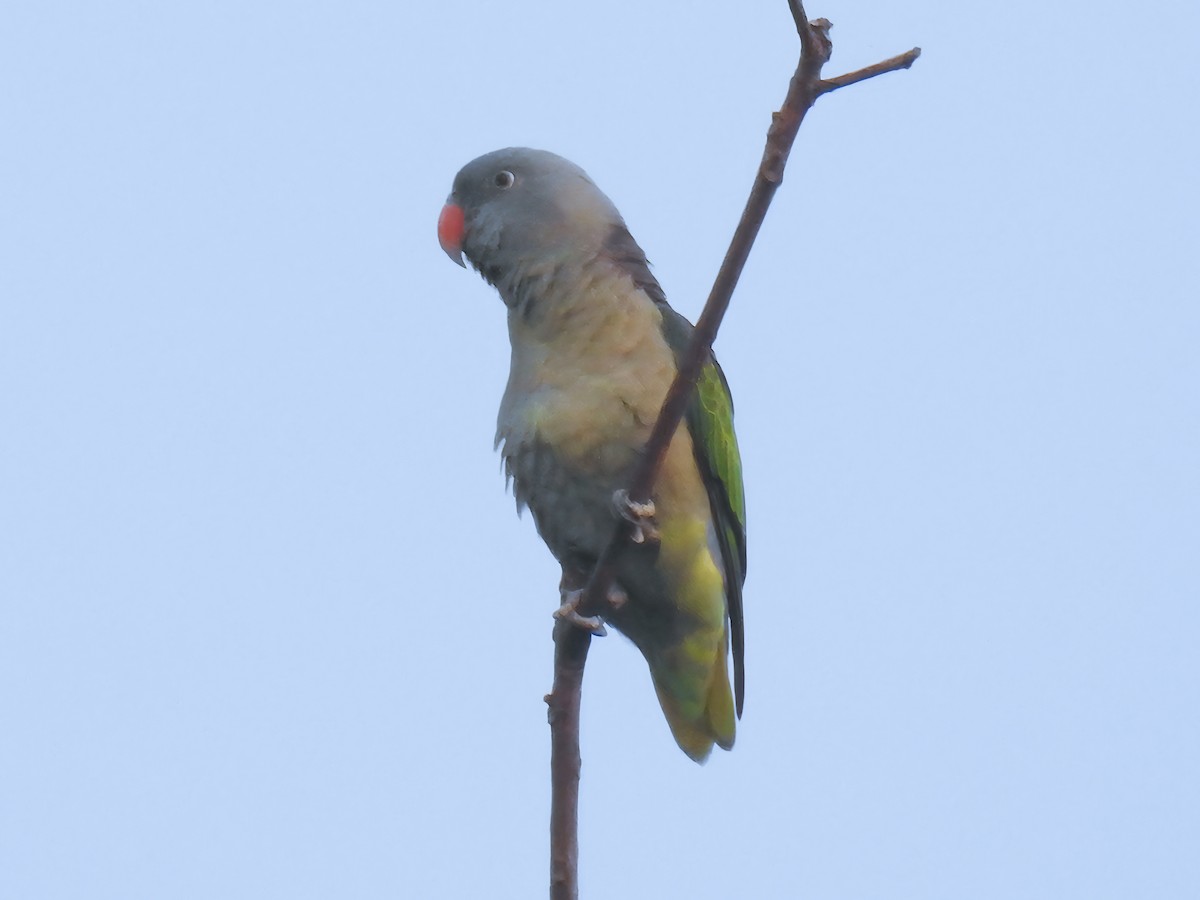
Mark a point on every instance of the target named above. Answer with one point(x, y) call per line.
point(504, 179)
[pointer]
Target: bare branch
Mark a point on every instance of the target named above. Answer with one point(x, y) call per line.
point(570, 654)
point(903, 61)
point(571, 643)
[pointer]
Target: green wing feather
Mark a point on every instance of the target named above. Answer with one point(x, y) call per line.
point(709, 419)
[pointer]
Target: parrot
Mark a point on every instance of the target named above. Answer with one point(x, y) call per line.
point(595, 347)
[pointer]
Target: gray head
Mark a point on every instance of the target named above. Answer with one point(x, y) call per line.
point(519, 213)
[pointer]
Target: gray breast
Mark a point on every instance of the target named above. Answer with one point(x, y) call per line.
point(573, 512)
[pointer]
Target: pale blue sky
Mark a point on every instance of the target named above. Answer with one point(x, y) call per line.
point(269, 626)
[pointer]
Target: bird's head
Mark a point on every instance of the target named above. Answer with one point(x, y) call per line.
point(518, 207)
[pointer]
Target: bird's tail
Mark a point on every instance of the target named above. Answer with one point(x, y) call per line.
point(692, 682)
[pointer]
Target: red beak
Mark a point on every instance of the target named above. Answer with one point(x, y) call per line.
point(451, 227)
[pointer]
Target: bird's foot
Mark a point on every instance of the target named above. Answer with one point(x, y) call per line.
point(570, 612)
point(640, 514)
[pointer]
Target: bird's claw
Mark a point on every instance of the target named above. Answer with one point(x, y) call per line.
point(569, 611)
point(640, 514)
